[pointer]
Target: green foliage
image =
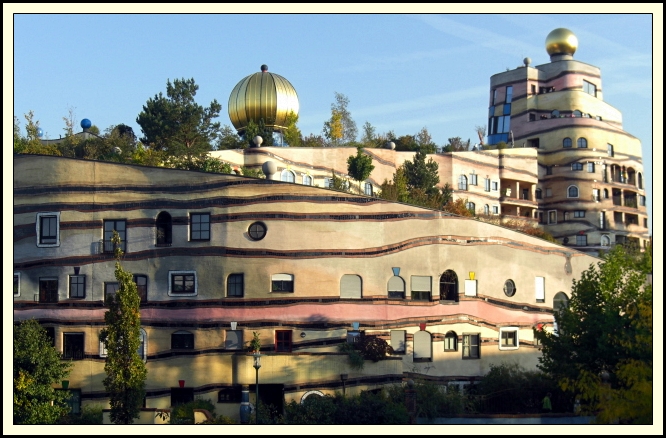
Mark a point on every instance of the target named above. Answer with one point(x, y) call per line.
point(254, 173)
point(365, 408)
point(313, 141)
point(255, 343)
point(176, 124)
point(338, 183)
point(292, 135)
point(456, 144)
point(125, 370)
point(229, 139)
point(204, 163)
point(606, 328)
point(359, 166)
point(356, 359)
point(37, 366)
point(184, 413)
point(421, 174)
point(374, 348)
point(31, 144)
point(340, 128)
point(90, 414)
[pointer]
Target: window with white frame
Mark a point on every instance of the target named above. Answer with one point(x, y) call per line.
point(462, 182)
point(508, 338)
point(471, 344)
point(486, 183)
point(368, 189)
point(540, 289)
point(581, 240)
point(496, 209)
point(77, 286)
point(182, 283)
point(48, 229)
point(118, 225)
point(473, 179)
point(307, 180)
point(495, 186)
point(590, 167)
point(451, 341)
point(572, 192)
point(287, 176)
point(422, 346)
point(282, 283)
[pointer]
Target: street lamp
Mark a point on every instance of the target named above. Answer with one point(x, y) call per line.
point(257, 365)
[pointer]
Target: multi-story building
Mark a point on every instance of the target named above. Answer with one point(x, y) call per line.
point(217, 257)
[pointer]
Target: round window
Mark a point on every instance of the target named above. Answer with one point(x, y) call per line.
point(509, 288)
point(257, 231)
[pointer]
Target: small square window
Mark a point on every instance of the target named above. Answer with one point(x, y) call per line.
point(470, 348)
point(508, 338)
point(495, 186)
point(231, 394)
point(577, 166)
point(579, 213)
point(72, 346)
point(77, 286)
point(199, 226)
point(233, 340)
point(235, 285)
point(48, 290)
point(48, 229)
point(495, 209)
point(581, 240)
point(182, 283)
point(282, 283)
point(283, 341)
point(182, 340)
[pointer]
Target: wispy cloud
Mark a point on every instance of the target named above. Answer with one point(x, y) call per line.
point(383, 63)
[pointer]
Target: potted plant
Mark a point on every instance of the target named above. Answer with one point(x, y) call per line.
point(255, 344)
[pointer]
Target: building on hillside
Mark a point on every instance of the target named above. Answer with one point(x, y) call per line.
point(565, 162)
point(217, 257)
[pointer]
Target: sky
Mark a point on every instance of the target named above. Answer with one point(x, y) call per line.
point(401, 72)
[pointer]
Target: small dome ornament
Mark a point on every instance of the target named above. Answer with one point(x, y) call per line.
point(390, 145)
point(257, 141)
point(86, 124)
point(269, 168)
point(527, 61)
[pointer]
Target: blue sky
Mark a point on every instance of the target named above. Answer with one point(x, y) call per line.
point(401, 72)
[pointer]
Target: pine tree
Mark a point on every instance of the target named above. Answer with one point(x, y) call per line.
point(125, 370)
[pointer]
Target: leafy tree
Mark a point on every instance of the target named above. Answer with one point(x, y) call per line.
point(176, 124)
point(481, 132)
point(125, 370)
point(253, 129)
point(456, 144)
point(340, 128)
point(369, 137)
point(606, 332)
point(406, 143)
point(458, 207)
point(254, 173)
point(31, 144)
point(421, 174)
point(424, 140)
point(292, 135)
point(313, 141)
point(395, 190)
point(338, 183)
point(229, 139)
point(359, 166)
point(37, 366)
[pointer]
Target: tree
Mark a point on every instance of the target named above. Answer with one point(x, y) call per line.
point(291, 134)
point(176, 124)
point(253, 129)
point(369, 138)
point(37, 366)
point(395, 190)
point(125, 370)
point(359, 166)
point(229, 139)
point(31, 144)
point(605, 333)
point(424, 140)
point(422, 174)
point(481, 132)
point(313, 141)
point(456, 144)
point(340, 128)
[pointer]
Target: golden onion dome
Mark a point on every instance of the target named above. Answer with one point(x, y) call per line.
point(561, 41)
point(262, 95)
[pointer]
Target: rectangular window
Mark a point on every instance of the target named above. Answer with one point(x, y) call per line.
point(48, 290)
point(182, 341)
point(50, 333)
point(141, 282)
point(470, 349)
point(645, 224)
point(72, 346)
point(283, 341)
point(180, 396)
point(508, 338)
point(17, 284)
point(540, 289)
point(494, 96)
point(200, 226)
point(109, 227)
point(590, 167)
point(421, 288)
point(110, 290)
point(73, 400)
point(495, 186)
point(77, 286)
point(451, 342)
point(549, 170)
point(398, 342)
point(534, 89)
point(549, 193)
point(495, 209)
point(282, 283)
point(233, 340)
point(103, 352)
point(353, 336)
point(48, 229)
point(235, 285)
point(509, 94)
point(590, 88)
point(581, 240)
point(579, 213)
point(595, 194)
point(552, 216)
point(641, 200)
point(610, 150)
point(506, 109)
point(182, 283)
point(231, 394)
point(473, 179)
point(486, 183)
point(576, 166)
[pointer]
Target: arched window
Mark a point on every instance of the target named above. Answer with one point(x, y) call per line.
point(351, 286)
point(639, 179)
point(555, 113)
point(368, 189)
point(486, 209)
point(396, 287)
point(182, 340)
point(448, 286)
point(471, 207)
point(451, 341)
point(462, 182)
point(605, 193)
point(577, 113)
point(605, 240)
point(288, 176)
point(582, 142)
point(566, 143)
point(307, 180)
point(560, 301)
point(422, 345)
point(163, 228)
point(572, 192)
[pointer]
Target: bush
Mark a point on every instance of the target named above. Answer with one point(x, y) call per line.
point(184, 414)
point(90, 414)
point(366, 408)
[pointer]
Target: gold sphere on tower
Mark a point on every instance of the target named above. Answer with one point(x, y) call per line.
point(262, 96)
point(561, 41)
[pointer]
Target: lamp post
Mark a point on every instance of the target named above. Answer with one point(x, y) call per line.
point(257, 365)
